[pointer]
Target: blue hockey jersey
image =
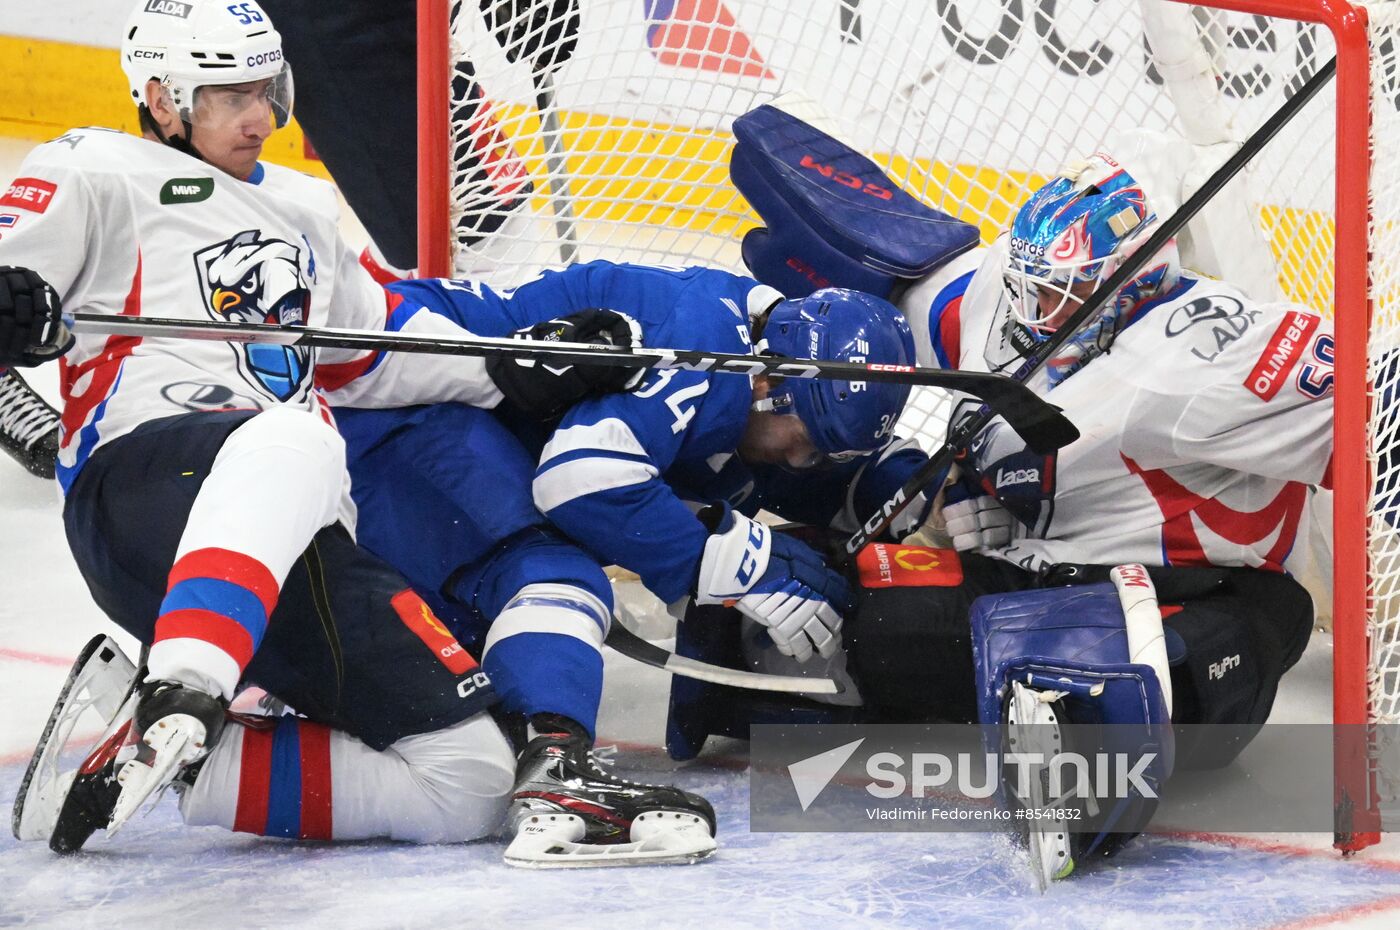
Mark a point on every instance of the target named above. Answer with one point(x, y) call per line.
point(623, 474)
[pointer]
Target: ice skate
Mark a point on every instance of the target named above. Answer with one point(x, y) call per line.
point(570, 812)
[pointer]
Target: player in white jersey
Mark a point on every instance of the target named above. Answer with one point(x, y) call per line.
point(205, 487)
point(1204, 419)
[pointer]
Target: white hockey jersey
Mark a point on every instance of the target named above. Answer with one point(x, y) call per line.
point(1200, 430)
point(122, 225)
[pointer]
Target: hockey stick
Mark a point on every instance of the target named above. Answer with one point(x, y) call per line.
point(634, 647)
point(521, 30)
point(962, 434)
point(1041, 424)
point(559, 195)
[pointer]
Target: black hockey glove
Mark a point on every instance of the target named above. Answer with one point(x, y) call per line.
point(31, 320)
point(544, 391)
point(542, 32)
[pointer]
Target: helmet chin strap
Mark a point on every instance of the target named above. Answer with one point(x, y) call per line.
point(178, 143)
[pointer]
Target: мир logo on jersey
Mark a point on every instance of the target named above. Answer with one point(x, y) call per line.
point(248, 279)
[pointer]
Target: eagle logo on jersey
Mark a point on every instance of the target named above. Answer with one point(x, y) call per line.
point(248, 279)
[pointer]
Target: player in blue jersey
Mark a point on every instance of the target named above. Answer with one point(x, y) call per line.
point(504, 521)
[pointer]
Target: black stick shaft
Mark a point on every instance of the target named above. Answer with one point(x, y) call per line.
point(1021, 406)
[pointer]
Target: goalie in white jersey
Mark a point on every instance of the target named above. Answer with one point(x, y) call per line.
point(1204, 419)
point(205, 484)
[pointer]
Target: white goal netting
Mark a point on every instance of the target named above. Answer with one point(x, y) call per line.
point(620, 149)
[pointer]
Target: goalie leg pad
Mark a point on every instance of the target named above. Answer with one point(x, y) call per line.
point(1074, 649)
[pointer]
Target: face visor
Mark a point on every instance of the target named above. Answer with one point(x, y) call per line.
point(218, 105)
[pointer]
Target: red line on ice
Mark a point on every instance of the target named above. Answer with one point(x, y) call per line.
point(36, 657)
point(1344, 914)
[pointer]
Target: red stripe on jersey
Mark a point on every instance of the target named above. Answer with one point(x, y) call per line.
point(950, 331)
point(378, 272)
point(103, 368)
point(215, 629)
point(332, 376)
point(228, 565)
point(254, 778)
point(1180, 508)
point(316, 820)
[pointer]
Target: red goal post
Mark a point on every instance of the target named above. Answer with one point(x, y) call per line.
point(621, 151)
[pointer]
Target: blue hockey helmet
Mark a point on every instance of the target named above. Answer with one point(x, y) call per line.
point(1073, 234)
point(843, 418)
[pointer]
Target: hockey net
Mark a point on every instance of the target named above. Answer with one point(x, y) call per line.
point(534, 157)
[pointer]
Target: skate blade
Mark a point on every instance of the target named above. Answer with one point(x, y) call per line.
point(100, 681)
point(173, 742)
point(1047, 840)
point(550, 841)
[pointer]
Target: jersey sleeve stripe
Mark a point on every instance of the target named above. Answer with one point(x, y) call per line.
point(945, 321)
point(332, 376)
point(579, 478)
point(607, 435)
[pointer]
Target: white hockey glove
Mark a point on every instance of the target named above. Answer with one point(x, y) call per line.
point(975, 522)
point(773, 579)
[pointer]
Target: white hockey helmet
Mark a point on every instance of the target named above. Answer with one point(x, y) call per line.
point(189, 44)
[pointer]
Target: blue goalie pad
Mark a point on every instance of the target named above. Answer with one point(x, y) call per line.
point(1074, 641)
point(834, 218)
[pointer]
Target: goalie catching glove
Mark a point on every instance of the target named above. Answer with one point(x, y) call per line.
point(545, 391)
point(773, 579)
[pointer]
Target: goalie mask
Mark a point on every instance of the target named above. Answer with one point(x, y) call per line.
point(214, 59)
point(844, 419)
point(1071, 235)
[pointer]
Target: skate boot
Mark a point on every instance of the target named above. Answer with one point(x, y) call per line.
point(28, 426)
point(93, 791)
point(177, 725)
point(570, 812)
point(159, 738)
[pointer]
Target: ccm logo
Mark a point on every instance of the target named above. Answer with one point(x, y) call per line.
point(264, 58)
point(1134, 576)
point(844, 179)
point(148, 54)
point(469, 686)
point(877, 366)
point(1218, 669)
